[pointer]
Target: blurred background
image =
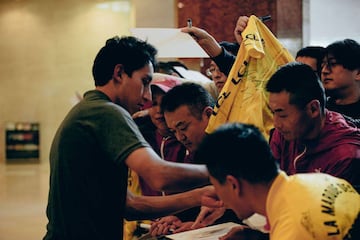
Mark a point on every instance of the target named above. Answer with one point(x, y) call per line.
point(47, 48)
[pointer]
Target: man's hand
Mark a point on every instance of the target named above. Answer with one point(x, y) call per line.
point(212, 208)
point(210, 199)
point(204, 39)
point(164, 225)
point(169, 225)
point(185, 226)
point(239, 27)
point(207, 216)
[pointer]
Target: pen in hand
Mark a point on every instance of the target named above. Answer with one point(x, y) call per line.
point(265, 18)
point(189, 23)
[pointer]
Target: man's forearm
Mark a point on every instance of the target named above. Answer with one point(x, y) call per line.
point(211, 47)
point(181, 177)
point(149, 207)
point(225, 60)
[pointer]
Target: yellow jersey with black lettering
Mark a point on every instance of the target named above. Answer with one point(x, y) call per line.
point(311, 206)
point(244, 97)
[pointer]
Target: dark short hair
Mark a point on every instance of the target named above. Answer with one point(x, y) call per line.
point(193, 95)
point(346, 52)
point(300, 81)
point(316, 52)
point(239, 150)
point(129, 51)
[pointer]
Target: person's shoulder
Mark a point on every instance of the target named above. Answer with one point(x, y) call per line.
point(322, 196)
point(146, 127)
point(352, 109)
point(339, 120)
point(276, 137)
point(354, 122)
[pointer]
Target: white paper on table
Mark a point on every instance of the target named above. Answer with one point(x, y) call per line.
point(170, 42)
point(257, 221)
point(205, 233)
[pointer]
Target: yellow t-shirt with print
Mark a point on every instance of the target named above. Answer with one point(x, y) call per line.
point(311, 206)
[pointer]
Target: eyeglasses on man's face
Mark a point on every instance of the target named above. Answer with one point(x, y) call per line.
point(211, 71)
point(329, 63)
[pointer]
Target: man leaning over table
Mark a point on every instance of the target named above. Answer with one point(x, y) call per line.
point(307, 206)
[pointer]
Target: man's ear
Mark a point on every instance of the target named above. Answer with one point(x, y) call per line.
point(118, 71)
point(208, 111)
point(357, 74)
point(314, 108)
point(234, 184)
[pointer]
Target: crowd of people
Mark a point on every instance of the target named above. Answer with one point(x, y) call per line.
point(303, 179)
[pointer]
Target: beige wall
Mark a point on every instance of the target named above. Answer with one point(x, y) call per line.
point(47, 49)
point(155, 13)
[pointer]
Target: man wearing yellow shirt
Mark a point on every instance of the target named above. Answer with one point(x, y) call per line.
point(247, 179)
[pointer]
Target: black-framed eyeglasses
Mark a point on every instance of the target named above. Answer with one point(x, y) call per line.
point(329, 62)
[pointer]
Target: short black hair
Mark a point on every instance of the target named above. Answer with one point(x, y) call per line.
point(300, 81)
point(346, 52)
point(129, 51)
point(193, 95)
point(239, 150)
point(316, 52)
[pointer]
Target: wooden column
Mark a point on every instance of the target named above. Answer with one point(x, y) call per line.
point(218, 17)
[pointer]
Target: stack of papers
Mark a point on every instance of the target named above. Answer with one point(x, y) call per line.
point(206, 233)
